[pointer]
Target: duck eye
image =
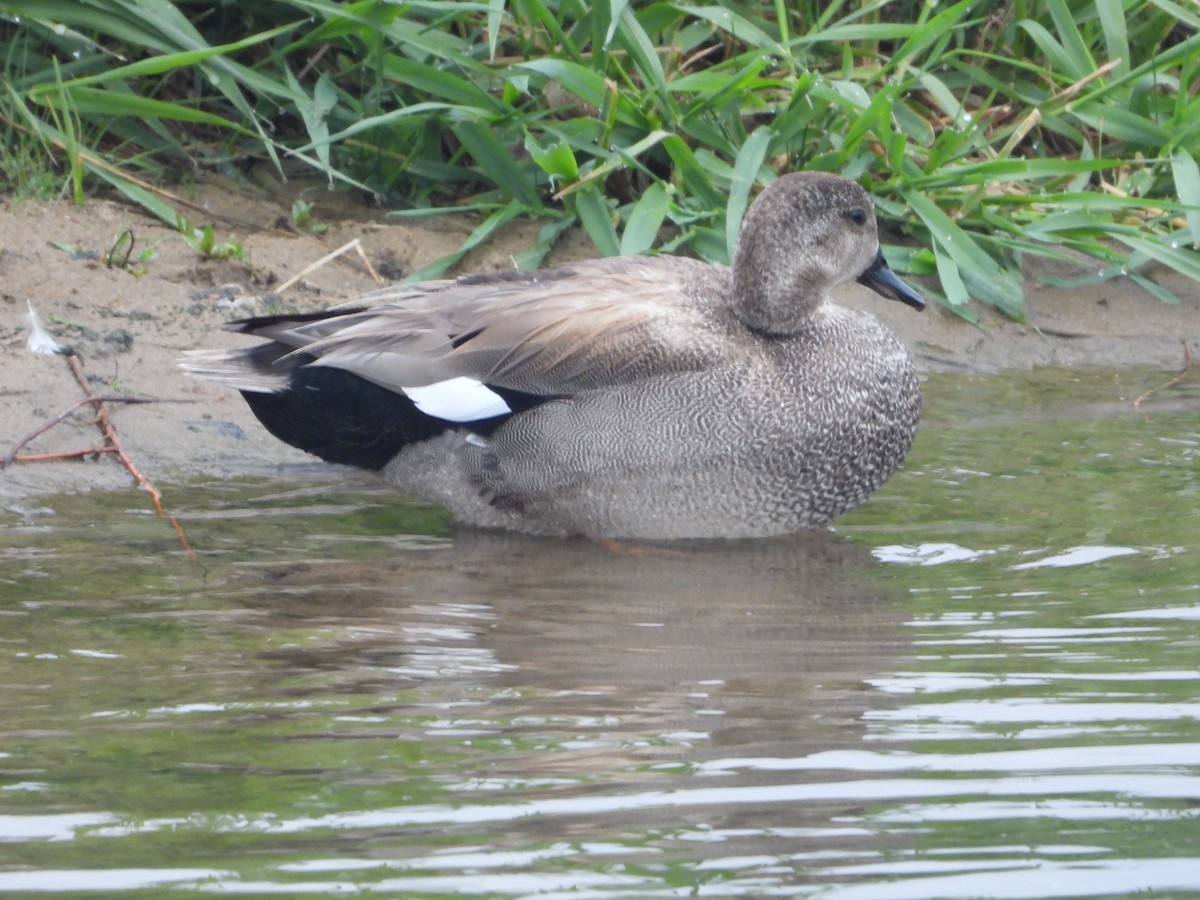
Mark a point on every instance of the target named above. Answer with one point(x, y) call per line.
point(857, 216)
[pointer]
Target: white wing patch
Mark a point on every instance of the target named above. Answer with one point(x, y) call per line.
point(458, 399)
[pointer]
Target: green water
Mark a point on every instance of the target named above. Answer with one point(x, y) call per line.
point(986, 683)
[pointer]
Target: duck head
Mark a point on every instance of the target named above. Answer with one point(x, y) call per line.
point(806, 233)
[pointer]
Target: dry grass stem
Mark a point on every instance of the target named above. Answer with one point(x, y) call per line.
point(1170, 382)
point(355, 245)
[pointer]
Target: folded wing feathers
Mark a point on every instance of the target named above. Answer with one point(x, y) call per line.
point(595, 325)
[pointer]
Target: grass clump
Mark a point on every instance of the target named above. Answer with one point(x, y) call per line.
point(986, 130)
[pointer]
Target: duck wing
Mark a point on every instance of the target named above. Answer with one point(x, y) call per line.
point(554, 332)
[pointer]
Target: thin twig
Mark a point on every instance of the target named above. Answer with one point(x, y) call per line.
point(108, 433)
point(111, 439)
point(64, 454)
point(46, 426)
point(1170, 382)
point(308, 66)
point(355, 244)
point(1035, 116)
point(1070, 92)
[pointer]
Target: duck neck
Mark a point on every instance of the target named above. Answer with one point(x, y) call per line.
point(771, 309)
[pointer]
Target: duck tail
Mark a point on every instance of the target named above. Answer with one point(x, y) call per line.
point(260, 369)
point(328, 412)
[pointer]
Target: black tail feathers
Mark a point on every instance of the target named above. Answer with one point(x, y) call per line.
point(341, 417)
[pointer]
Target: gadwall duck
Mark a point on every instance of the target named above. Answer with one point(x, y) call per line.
point(631, 397)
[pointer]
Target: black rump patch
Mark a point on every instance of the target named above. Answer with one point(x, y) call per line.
point(343, 418)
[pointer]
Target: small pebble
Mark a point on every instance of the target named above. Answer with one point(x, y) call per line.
point(120, 340)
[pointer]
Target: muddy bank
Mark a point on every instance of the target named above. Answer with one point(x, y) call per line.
point(129, 324)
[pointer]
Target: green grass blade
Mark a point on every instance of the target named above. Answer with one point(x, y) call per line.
point(147, 200)
point(644, 54)
point(840, 35)
point(1154, 288)
point(939, 29)
point(481, 233)
point(548, 234)
point(1123, 124)
point(496, 162)
point(615, 9)
point(694, 178)
point(644, 220)
point(495, 13)
point(956, 294)
point(105, 102)
point(416, 111)
point(438, 83)
point(589, 86)
point(1079, 60)
point(1185, 262)
point(171, 62)
point(980, 272)
point(745, 173)
point(1187, 184)
point(736, 26)
point(596, 218)
point(621, 157)
point(541, 17)
point(1116, 38)
point(1049, 45)
point(314, 111)
point(557, 160)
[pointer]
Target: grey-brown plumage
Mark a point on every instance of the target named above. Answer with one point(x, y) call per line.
point(653, 397)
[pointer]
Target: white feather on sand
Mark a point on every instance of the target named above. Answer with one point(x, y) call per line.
point(40, 340)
